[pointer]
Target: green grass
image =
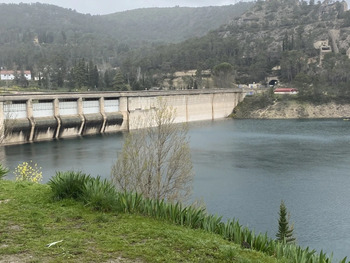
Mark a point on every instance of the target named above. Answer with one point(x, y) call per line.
point(30, 219)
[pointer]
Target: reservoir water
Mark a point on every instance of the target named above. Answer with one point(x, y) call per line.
point(244, 168)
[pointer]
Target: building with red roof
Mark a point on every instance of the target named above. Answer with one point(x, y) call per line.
point(11, 74)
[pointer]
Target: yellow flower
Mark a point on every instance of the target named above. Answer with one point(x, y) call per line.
point(28, 172)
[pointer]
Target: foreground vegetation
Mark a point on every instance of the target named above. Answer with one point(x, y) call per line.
point(30, 220)
point(80, 218)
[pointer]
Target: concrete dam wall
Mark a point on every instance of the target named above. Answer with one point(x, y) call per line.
point(26, 118)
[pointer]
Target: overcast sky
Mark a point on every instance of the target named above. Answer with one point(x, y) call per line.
point(95, 7)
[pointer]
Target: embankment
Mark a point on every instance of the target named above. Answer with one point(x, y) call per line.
point(292, 109)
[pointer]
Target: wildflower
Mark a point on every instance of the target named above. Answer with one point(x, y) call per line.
point(28, 172)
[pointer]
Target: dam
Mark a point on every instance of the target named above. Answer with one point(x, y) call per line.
point(32, 117)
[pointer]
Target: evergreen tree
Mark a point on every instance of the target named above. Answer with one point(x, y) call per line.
point(199, 78)
point(94, 77)
point(108, 79)
point(21, 80)
point(79, 74)
point(119, 83)
point(285, 232)
point(39, 80)
point(223, 75)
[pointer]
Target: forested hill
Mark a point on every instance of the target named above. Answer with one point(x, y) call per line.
point(256, 41)
point(172, 24)
point(305, 44)
point(32, 35)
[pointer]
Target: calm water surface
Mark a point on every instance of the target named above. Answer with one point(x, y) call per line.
point(244, 168)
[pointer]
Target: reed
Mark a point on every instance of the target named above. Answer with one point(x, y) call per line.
point(129, 202)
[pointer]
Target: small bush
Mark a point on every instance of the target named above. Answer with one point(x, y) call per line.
point(69, 184)
point(3, 171)
point(100, 194)
point(28, 172)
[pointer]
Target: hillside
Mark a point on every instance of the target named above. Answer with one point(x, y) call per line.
point(285, 25)
point(31, 221)
point(172, 24)
point(290, 109)
point(263, 33)
point(296, 43)
point(32, 36)
point(301, 44)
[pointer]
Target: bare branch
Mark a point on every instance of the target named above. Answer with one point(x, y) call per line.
point(156, 161)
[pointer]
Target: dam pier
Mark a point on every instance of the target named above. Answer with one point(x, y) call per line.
point(32, 117)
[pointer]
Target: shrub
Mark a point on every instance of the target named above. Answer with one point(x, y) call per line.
point(95, 192)
point(69, 184)
point(28, 172)
point(3, 171)
point(156, 161)
point(130, 202)
point(100, 194)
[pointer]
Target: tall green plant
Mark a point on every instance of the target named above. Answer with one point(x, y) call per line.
point(285, 232)
point(3, 171)
point(100, 194)
point(69, 184)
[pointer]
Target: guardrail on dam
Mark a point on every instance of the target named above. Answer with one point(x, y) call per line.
point(35, 117)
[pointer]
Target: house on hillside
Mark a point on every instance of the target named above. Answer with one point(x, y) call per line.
point(11, 74)
point(285, 91)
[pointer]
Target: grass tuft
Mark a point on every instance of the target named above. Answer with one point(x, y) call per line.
point(69, 184)
point(100, 195)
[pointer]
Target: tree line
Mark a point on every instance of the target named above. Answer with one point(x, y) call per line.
point(78, 58)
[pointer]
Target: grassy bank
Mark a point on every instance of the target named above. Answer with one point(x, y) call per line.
point(30, 220)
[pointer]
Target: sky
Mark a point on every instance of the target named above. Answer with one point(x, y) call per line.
point(101, 7)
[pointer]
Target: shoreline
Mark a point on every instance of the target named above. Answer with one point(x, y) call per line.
point(292, 109)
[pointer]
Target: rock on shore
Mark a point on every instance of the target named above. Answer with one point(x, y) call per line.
point(296, 110)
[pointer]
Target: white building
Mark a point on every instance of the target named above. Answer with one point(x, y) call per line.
point(10, 74)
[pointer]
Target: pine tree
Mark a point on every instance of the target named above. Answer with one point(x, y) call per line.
point(79, 74)
point(108, 79)
point(119, 83)
point(285, 232)
point(95, 77)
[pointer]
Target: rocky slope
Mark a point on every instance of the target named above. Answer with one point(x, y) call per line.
point(296, 24)
point(296, 110)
